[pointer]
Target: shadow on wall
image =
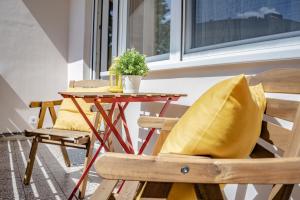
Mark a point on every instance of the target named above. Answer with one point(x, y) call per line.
point(53, 17)
point(10, 103)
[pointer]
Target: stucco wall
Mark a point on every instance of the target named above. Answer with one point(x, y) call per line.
point(33, 57)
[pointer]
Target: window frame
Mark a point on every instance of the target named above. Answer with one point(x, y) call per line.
point(282, 46)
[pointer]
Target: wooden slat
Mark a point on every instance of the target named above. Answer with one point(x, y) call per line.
point(66, 143)
point(284, 191)
point(128, 191)
point(168, 169)
point(104, 190)
point(283, 109)
point(89, 83)
point(57, 132)
point(294, 148)
point(163, 123)
point(106, 94)
point(279, 80)
point(35, 104)
point(276, 135)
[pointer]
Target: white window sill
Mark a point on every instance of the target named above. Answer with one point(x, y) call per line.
point(284, 49)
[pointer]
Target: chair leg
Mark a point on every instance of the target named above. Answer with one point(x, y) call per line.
point(65, 155)
point(30, 162)
point(88, 157)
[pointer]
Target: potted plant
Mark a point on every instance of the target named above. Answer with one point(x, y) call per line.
point(133, 67)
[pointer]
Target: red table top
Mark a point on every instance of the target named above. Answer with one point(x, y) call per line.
point(122, 97)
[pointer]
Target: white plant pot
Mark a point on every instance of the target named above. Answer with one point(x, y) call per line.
point(131, 83)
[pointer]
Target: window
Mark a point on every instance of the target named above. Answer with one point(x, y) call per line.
point(218, 23)
point(148, 26)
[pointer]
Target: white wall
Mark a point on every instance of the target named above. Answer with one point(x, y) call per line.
point(76, 39)
point(33, 57)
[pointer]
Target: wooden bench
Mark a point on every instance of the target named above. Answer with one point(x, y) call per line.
point(275, 158)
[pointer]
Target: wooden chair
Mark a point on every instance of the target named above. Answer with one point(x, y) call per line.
point(266, 166)
point(63, 138)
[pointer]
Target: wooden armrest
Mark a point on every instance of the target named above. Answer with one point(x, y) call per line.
point(194, 169)
point(163, 123)
point(35, 104)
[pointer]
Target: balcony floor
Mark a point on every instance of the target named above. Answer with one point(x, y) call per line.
point(51, 179)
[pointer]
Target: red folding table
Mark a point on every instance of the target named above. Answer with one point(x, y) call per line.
point(120, 101)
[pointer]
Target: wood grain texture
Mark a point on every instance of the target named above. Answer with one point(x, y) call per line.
point(284, 191)
point(294, 148)
point(30, 162)
point(168, 169)
point(35, 104)
point(163, 123)
point(104, 191)
point(42, 114)
point(129, 190)
point(276, 135)
point(57, 132)
point(283, 109)
point(285, 80)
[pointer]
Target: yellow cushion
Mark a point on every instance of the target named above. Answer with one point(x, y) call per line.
point(225, 122)
point(69, 118)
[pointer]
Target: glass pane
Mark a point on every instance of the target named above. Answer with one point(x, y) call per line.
point(214, 22)
point(149, 26)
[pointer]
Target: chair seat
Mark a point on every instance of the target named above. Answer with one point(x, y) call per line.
point(77, 137)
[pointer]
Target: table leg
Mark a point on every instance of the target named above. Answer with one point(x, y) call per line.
point(106, 135)
point(113, 128)
point(125, 127)
point(85, 172)
point(94, 130)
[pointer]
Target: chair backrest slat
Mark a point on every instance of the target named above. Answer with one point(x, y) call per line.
point(276, 135)
point(279, 80)
point(88, 83)
point(283, 109)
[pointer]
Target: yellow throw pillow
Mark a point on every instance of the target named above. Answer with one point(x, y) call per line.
point(225, 122)
point(69, 118)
